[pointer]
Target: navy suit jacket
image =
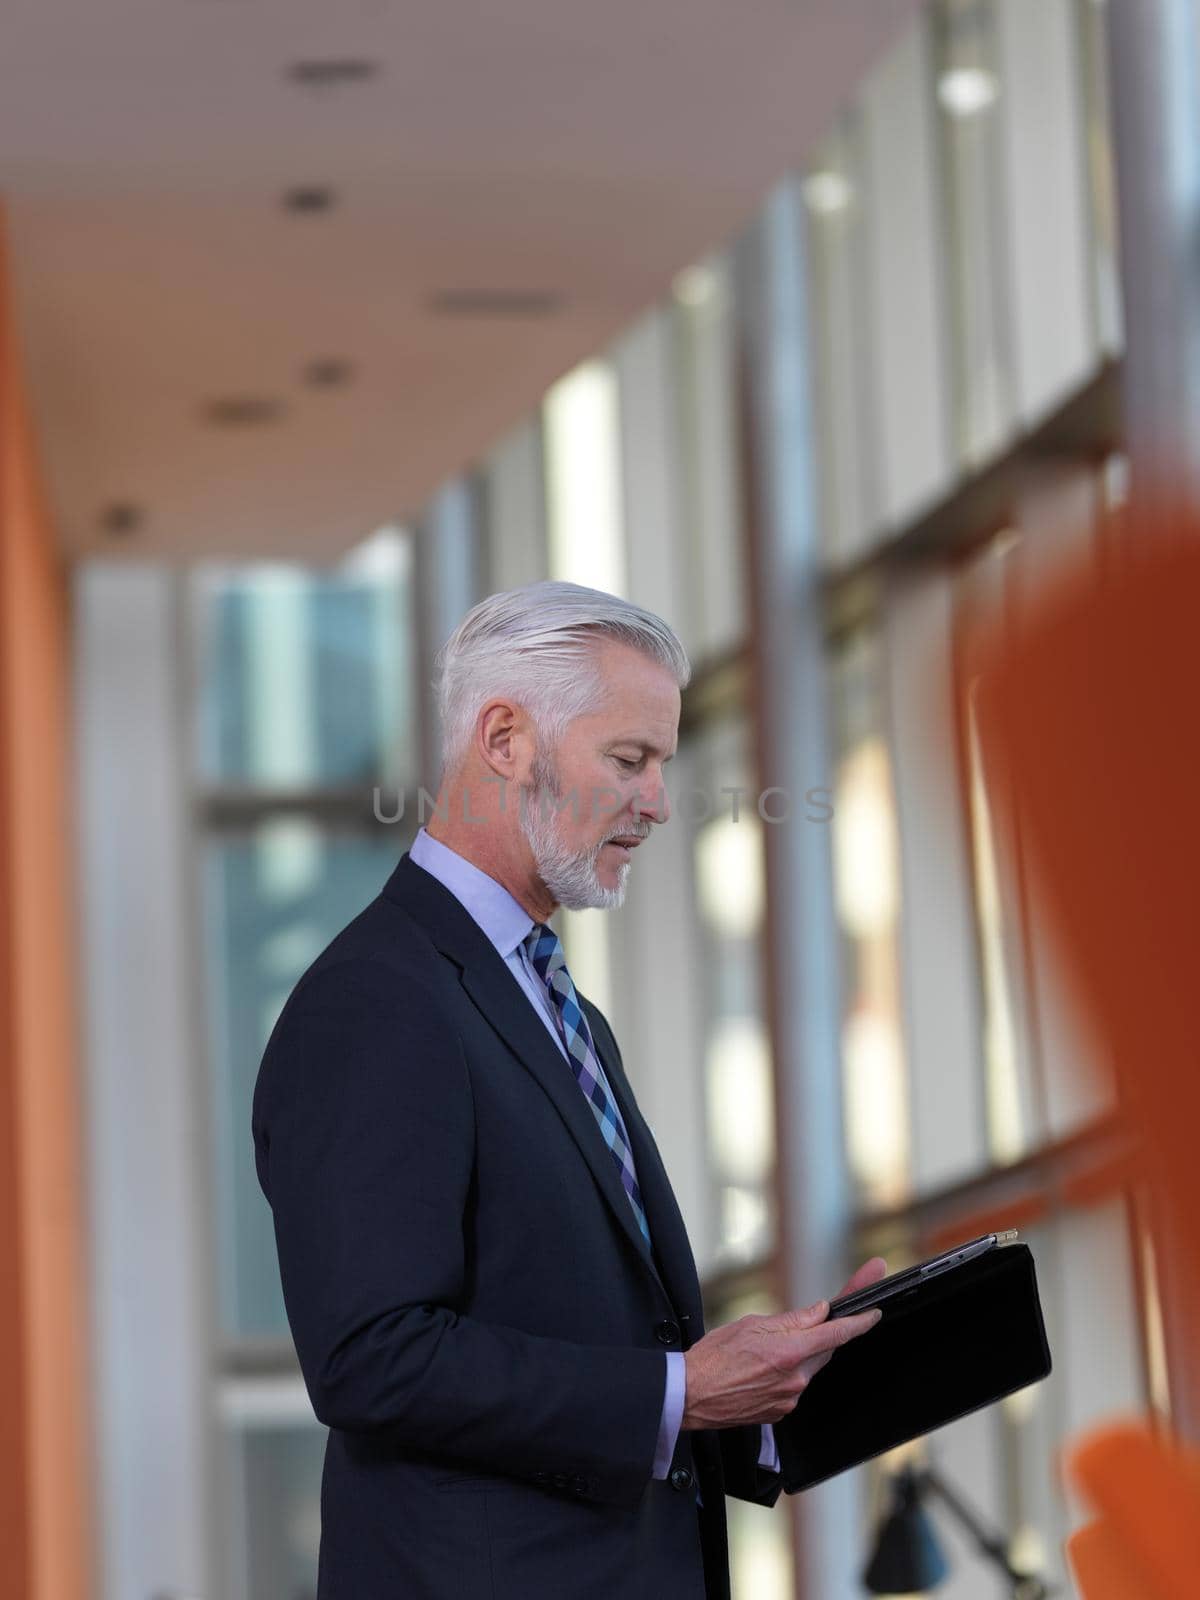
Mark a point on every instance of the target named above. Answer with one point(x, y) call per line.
point(477, 1316)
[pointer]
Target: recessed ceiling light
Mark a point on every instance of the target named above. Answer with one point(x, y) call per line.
point(242, 410)
point(332, 73)
point(827, 192)
point(1003, 540)
point(384, 556)
point(328, 372)
point(309, 198)
point(495, 302)
point(965, 91)
point(121, 519)
point(695, 286)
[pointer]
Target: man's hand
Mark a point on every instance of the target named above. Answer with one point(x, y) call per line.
point(755, 1369)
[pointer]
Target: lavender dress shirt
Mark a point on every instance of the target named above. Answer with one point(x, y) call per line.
point(506, 923)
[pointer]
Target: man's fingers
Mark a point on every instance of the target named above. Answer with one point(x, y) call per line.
point(832, 1335)
point(870, 1272)
point(812, 1321)
point(852, 1327)
point(794, 1321)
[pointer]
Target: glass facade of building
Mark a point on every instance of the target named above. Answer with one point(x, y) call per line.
point(305, 754)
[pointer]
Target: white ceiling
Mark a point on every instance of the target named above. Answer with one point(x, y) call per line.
point(591, 151)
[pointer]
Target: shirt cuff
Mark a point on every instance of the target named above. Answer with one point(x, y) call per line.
point(768, 1456)
point(672, 1413)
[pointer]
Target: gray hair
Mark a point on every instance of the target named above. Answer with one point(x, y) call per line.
point(536, 645)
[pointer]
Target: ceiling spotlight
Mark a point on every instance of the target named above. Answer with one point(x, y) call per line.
point(384, 556)
point(695, 286)
point(121, 519)
point(242, 411)
point(966, 91)
point(334, 73)
point(328, 372)
point(827, 192)
point(494, 302)
point(309, 198)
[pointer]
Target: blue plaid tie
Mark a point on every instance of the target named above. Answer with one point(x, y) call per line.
point(545, 950)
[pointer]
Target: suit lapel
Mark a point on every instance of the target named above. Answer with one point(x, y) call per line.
point(501, 1002)
point(506, 1009)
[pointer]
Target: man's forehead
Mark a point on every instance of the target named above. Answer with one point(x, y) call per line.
point(640, 706)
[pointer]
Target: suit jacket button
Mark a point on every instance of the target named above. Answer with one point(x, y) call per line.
point(682, 1478)
point(666, 1332)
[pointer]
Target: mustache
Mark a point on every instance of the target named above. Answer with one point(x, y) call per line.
point(634, 831)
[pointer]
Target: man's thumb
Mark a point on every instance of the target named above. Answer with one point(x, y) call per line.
point(796, 1321)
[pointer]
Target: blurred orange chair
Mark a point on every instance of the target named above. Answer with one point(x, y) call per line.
point(1092, 709)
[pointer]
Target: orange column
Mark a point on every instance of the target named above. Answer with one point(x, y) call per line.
point(45, 1544)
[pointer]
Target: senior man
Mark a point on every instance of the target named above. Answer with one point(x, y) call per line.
point(487, 1277)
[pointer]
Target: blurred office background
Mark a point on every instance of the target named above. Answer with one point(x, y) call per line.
point(801, 323)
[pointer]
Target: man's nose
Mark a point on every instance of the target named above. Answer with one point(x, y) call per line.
point(653, 804)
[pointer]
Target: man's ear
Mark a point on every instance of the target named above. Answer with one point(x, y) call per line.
point(503, 739)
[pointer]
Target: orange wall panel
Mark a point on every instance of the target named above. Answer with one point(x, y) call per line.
point(43, 1351)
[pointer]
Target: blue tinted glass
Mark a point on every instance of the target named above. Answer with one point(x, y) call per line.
point(276, 1474)
point(272, 903)
point(305, 678)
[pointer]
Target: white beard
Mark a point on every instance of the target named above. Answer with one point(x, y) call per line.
point(570, 876)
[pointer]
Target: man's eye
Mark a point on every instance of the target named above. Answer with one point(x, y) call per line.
point(622, 761)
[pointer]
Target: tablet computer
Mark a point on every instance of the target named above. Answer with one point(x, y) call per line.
point(961, 1337)
point(912, 1277)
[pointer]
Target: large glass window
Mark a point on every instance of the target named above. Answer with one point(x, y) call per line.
point(844, 422)
point(581, 430)
point(270, 1456)
point(738, 1072)
point(1101, 174)
point(1009, 1097)
point(968, 90)
point(303, 680)
point(306, 738)
point(1012, 1097)
point(867, 893)
point(274, 896)
point(711, 499)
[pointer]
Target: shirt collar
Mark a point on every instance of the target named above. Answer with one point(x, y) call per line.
point(503, 919)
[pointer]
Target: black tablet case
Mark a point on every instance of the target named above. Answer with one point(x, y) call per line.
point(955, 1343)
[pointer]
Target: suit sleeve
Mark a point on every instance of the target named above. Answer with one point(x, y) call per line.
point(364, 1137)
